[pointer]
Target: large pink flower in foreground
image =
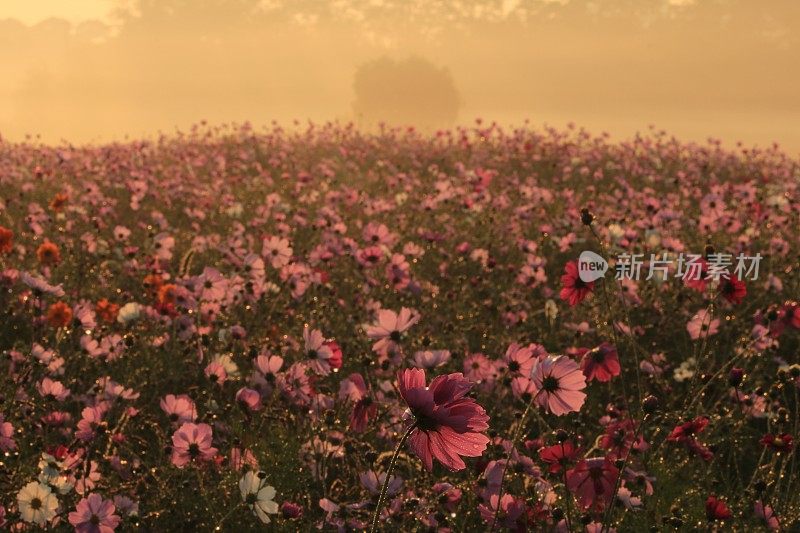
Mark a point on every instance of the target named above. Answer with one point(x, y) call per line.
point(559, 382)
point(448, 424)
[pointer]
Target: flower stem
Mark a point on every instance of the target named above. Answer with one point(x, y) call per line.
point(385, 486)
point(514, 438)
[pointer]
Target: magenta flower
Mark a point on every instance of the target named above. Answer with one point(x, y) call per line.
point(559, 383)
point(448, 425)
point(593, 481)
point(93, 514)
point(192, 442)
point(601, 363)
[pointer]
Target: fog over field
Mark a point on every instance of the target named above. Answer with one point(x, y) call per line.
point(101, 70)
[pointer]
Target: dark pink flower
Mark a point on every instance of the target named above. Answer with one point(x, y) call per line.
point(449, 425)
point(593, 481)
point(601, 363)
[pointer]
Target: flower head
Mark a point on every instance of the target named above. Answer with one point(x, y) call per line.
point(448, 424)
point(559, 383)
point(258, 495)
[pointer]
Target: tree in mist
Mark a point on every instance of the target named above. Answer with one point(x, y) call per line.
point(412, 91)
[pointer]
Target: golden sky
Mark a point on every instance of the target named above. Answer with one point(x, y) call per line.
point(97, 70)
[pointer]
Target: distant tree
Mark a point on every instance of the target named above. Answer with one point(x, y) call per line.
point(412, 91)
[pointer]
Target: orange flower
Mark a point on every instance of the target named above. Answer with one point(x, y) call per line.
point(166, 294)
point(59, 201)
point(59, 315)
point(106, 310)
point(153, 282)
point(6, 240)
point(48, 253)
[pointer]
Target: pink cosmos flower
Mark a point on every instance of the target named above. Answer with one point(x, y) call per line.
point(601, 363)
point(249, 399)
point(53, 389)
point(179, 409)
point(277, 251)
point(354, 388)
point(93, 514)
point(429, 359)
point(317, 352)
point(7, 442)
point(448, 423)
point(559, 383)
point(477, 367)
point(373, 482)
point(593, 481)
point(388, 330)
point(192, 442)
point(702, 324)
point(512, 510)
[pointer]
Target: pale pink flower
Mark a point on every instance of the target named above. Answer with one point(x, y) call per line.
point(702, 324)
point(192, 442)
point(93, 514)
point(559, 382)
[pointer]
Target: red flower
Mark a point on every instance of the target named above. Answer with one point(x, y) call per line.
point(559, 455)
point(335, 359)
point(779, 443)
point(448, 424)
point(601, 363)
point(716, 509)
point(573, 289)
point(6, 240)
point(733, 289)
point(685, 433)
point(593, 481)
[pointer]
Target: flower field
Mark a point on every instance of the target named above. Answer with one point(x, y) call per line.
point(233, 330)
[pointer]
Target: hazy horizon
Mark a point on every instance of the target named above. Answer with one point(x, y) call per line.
point(100, 70)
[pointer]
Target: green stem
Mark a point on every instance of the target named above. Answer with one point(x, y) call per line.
point(385, 487)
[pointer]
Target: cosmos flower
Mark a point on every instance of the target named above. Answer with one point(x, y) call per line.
point(93, 514)
point(318, 354)
point(192, 442)
point(37, 503)
point(389, 328)
point(354, 389)
point(179, 409)
point(733, 289)
point(573, 289)
point(559, 382)
point(48, 253)
point(59, 315)
point(593, 481)
point(601, 363)
point(716, 509)
point(259, 496)
point(448, 424)
point(702, 324)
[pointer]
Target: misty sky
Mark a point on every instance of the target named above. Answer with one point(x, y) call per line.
point(96, 70)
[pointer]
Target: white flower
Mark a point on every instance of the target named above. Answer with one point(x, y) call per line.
point(37, 503)
point(51, 474)
point(685, 370)
point(258, 495)
point(129, 313)
point(231, 368)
